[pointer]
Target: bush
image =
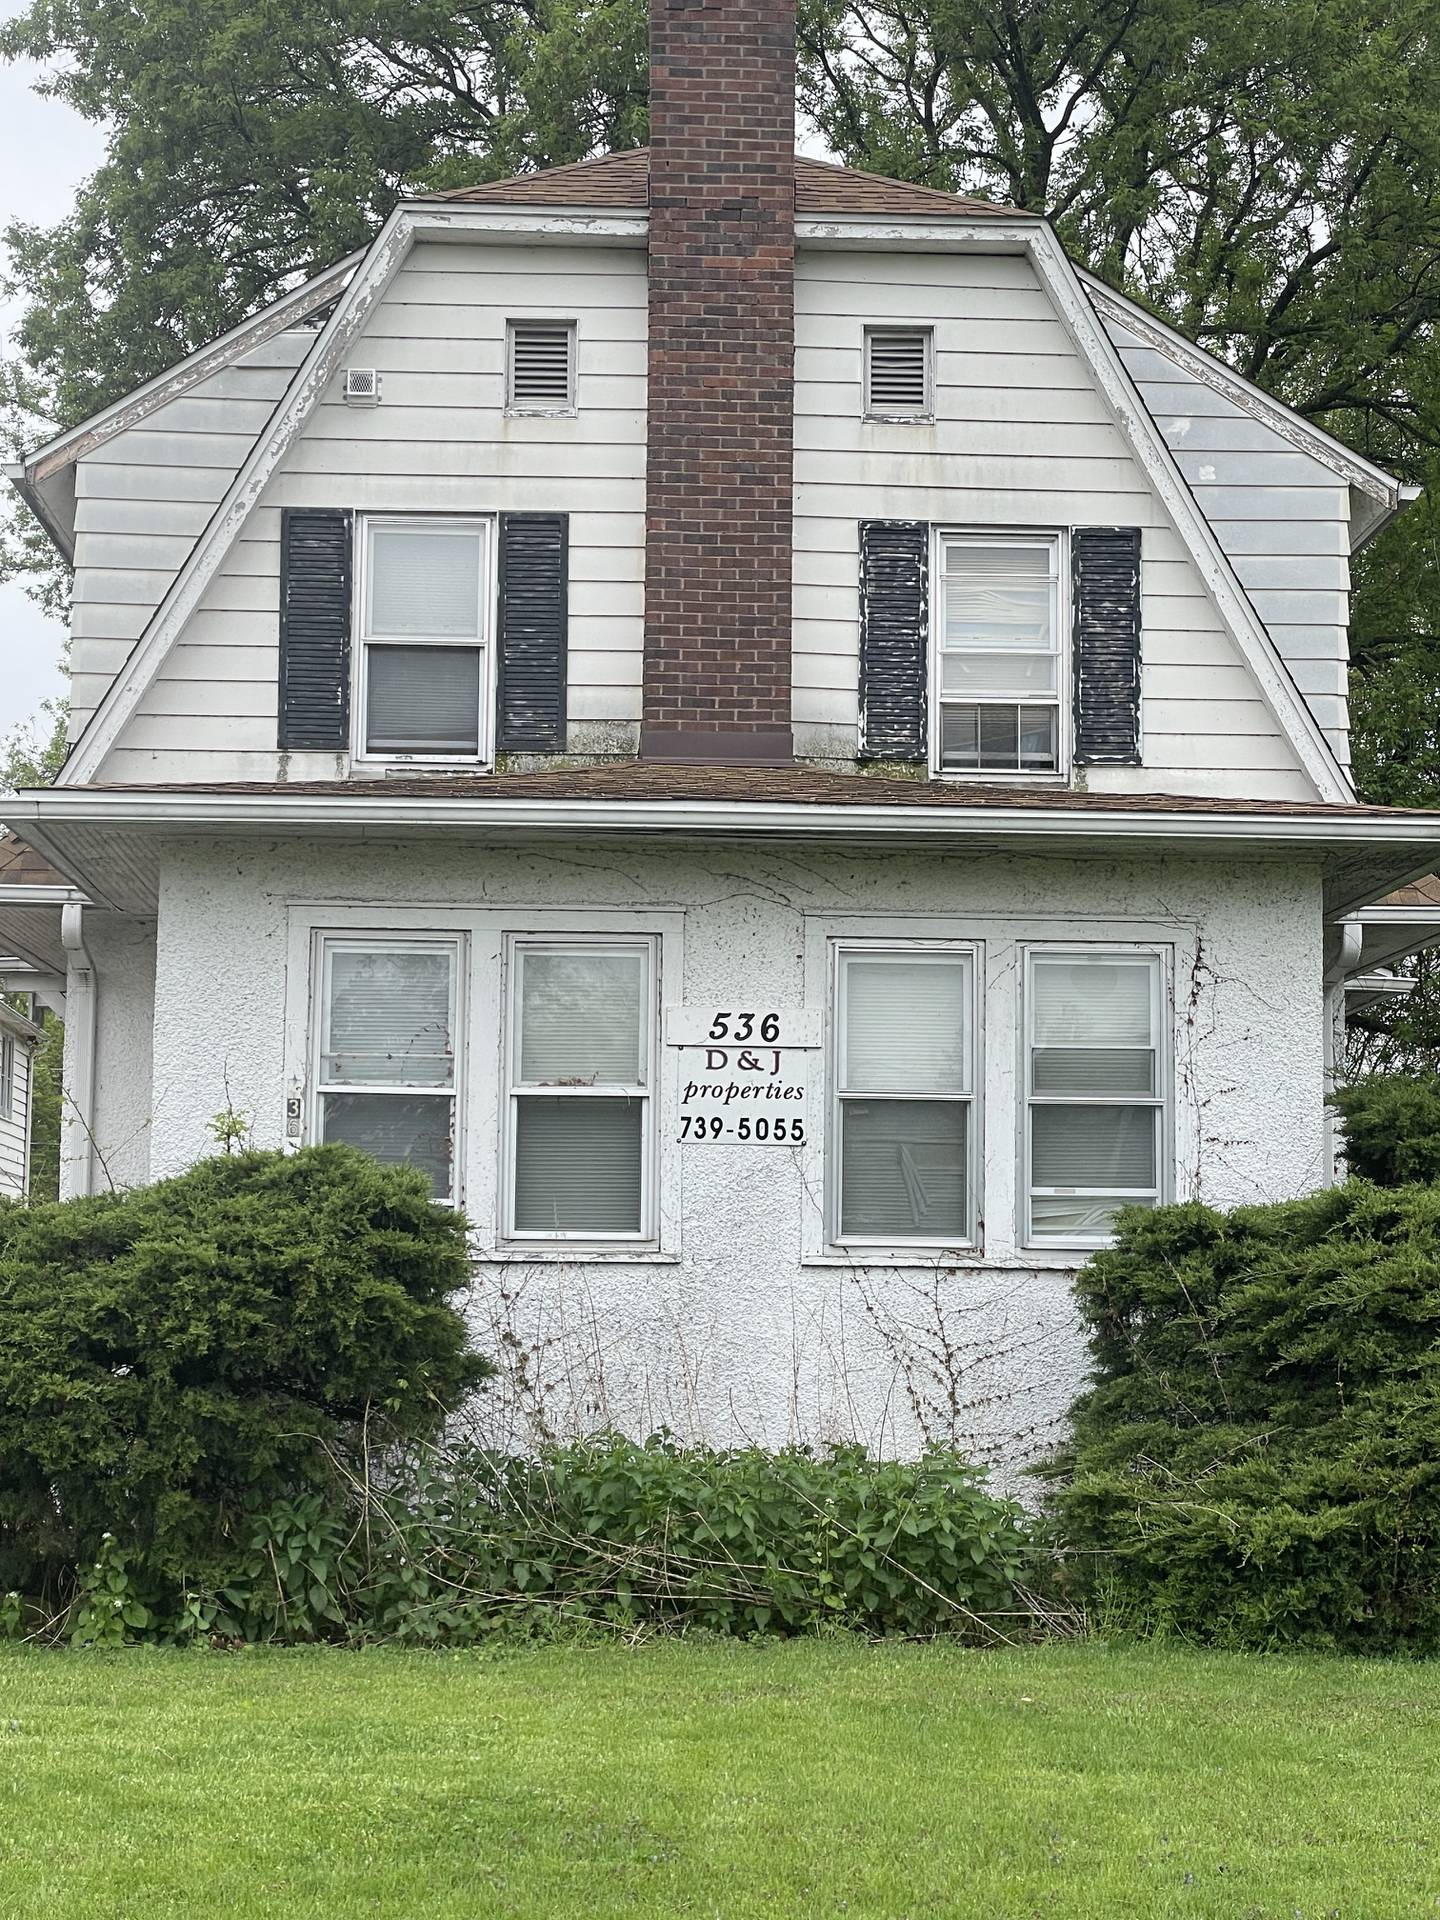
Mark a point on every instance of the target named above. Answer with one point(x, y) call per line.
point(455, 1548)
point(1258, 1463)
point(1391, 1124)
point(175, 1357)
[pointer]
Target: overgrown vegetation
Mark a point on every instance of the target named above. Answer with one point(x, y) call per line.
point(175, 1358)
point(1258, 1463)
point(1391, 1127)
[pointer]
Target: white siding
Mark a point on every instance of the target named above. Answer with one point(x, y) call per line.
point(438, 442)
point(144, 497)
point(14, 1131)
point(1021, 439)
point(1282, 517)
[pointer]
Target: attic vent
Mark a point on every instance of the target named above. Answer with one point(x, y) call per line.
point(897, 373)
point(540, 365)
point(362, 387)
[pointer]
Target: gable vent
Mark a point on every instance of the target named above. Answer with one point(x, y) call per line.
point(541, 364)
point(897, 373)
point(362, 387)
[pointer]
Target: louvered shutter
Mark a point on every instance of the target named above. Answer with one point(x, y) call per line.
point(315, 588)
point(534, 594)
point(894, 639)
point(1105, 596)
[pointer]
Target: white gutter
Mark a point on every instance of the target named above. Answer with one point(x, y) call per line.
point(55, 807)
point(77, 1119)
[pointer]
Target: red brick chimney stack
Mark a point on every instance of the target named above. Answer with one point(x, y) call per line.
point(721, 386)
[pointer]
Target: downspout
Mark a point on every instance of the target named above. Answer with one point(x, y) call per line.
point(1346, 962)
point(77, 1120)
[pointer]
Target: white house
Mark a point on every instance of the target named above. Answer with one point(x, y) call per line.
point(783, 742)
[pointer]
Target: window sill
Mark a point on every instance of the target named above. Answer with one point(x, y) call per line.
point(967, 777)
point(931, 1259)
point(581, 1254)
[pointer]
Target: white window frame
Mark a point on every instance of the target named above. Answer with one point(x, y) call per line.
point(1056, 540)
point(648, 1092)
point(546, 409)
point(484, 527)
point(924, 418)
point(7, 1076)
point(1162, 1101)
point(326, 940)
point(840, 950)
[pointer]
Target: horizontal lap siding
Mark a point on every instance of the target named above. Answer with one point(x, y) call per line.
point(1021, 439)
point(1281, 516)
point(439, 442)
point(144, 497)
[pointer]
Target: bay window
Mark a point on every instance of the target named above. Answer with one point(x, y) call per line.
point(581, 1042)
point(424, 639)
point(998, 659)
point(904, 1078)
point(386, 1076)
point(1096, 1077)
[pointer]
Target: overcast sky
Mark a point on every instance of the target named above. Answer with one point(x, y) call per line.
point(45, 151)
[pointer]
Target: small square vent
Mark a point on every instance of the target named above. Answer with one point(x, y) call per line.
point(362, 387)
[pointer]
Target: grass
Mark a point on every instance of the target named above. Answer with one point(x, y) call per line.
point(716, 1780)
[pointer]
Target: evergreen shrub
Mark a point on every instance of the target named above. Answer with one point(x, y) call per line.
point(1391, 1126)
point(1258, 1461)
point(176, 1357)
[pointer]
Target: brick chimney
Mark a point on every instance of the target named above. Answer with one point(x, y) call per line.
point(721, 385)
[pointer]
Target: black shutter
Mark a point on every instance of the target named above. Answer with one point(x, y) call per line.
point(1105, 593)
point(894, 639)
point(315, 627)
point(534, 613)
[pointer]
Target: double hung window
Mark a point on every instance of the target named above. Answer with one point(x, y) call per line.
point(998, 661)
point(424, 638)
point(581, 1089)
point(904, 1119)
point(1095, 1090)
point(387, 1078)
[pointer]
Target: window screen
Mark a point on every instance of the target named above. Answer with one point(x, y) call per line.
point(541, 365)
point(424, 654)
point(998, 672)
point(898, 373)
point(581, 1104)
point(387, 1077)
point(1096, 1091)
point(904, 1080)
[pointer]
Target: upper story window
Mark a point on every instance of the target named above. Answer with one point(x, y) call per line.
point(540, 366)
point(899, 373)
point(998, 673)
point(424, 669)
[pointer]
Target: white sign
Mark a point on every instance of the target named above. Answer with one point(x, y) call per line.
point(743, 1074)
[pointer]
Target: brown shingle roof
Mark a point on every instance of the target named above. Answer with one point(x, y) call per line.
point(647, 780)
point(622, 180)
point(1419, 893)
point(21, 866)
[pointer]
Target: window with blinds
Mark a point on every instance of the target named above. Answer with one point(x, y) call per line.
point(1096, 1079)
point(540, 366)
point(899, 373)
point(386, 1078)
point(581, 1109)
point(424, 665)
point(904, 1133)
point(998, 668)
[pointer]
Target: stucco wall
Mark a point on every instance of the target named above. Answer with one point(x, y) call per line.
point(123, 952)
point(743, 1326)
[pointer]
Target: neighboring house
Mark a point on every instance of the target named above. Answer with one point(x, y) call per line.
point(18, 1036)
point(783, 743)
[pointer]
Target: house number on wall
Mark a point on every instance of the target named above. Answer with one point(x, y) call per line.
point(743, 1074)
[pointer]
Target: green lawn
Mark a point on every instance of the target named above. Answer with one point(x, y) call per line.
point(802, 1779)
